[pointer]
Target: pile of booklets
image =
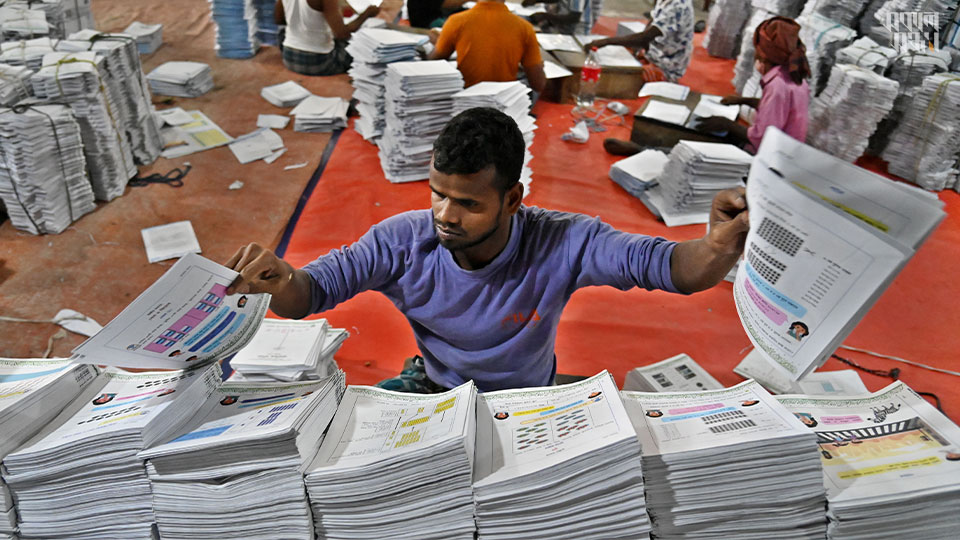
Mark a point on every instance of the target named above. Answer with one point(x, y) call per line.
point(639, 172)
point(390, 455)
point(181, 79)
point(27, 53)
point(372, 49)
point(867, 53)
point(925, 147)
point(52, 9)
point(21, 22)
point(730, 463)
point(743, 70)
point(236, 22)
point(678, 373)
point(43, 177)
point(511, 98)
point(267, 29)
point(78, 79)
point(149, 36)
point(237, 471)
point(724, 26)
point(558, 462)
point(286, 350)
point(823, 37)
point(847, 112)
point(845, 12)
point(32, 393)
point(80, 477)
point(76, 15)
point(320, 114)
point(419, 102)
point(890, 463)
point(14, 84)
point(285, 94)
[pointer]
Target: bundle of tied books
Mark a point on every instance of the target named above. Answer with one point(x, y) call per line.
point(285, 350)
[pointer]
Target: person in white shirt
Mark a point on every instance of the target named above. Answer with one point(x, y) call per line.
point(315, 36)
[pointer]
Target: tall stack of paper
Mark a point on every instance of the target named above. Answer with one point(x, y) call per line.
point(510, 98)
point(320, 114)
point(890, 464)
point(678, 373)
point(243, 459)
point(267, 30)
point(372, 49)
point(79, 79)
point(43, 176)
point(902, 11)
point(396, 465)
point(285, 350)
point(21, 22)
point(76, 15)
point(695, 172)
point(236, 22)
point(285, 94)
point(724, 26)
point(869, 24)
point(32, 393)
point(785, 8)
point(53, 11)
point(867, 53)
point(820, 224)
point(730, 463)
point(847, 112)
point(823, 37)
point(181, 79)
point(419, 102)
point(27, 53)
point(925, 147)
point(845, 12)
point(80, 476)
point(558, 462)
point(14, 84)
point(638, 172)
point(149, 36)
point(744, 69)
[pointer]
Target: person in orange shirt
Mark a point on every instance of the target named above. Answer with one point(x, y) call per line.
point(491, 45)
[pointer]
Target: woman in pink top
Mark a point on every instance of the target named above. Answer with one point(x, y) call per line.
point(781, 59)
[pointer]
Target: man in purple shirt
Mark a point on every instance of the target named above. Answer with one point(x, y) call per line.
point(482, 279)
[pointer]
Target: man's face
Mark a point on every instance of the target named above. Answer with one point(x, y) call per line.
point(467, 209)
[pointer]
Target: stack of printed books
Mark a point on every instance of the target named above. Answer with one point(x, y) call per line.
point(285, 350)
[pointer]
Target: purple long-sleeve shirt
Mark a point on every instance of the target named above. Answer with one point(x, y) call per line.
point(496, 325)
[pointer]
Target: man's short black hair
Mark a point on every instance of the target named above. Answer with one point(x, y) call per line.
point(478, 138)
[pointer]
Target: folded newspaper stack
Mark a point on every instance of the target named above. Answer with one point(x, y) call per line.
point(511, 98)
point(32, 393)
point(372, 49)
point(43, 180)
point(14, 84)
point(20, 22)
point(286, 94)
point(80, 477)
point(149, 36)
point(27, 53)
point(52, 9)
point(891, 464)
point(867, 53)
point(724, 26)
point(818, 223)
point(242, 461)
point(925, 147)
point(181, 79)
point(317, 114)
point(396, 465)
point(236, 22)
point(695, 172)
point(731, 463)
point(419, 102)
point(558, 462)
point(845, 12)
point(823, 37)
point(286, 350)
point(678, 373)
point(848, 111)
point(638, 172)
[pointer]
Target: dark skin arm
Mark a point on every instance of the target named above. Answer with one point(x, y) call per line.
point(279, 16)
point(536, 77)
point(331, 12)
point(553, 18)
point(697, 265)
point(635, 41)
point(740, 100)
point(736, 131)
point(528, 3)
point(261, 271)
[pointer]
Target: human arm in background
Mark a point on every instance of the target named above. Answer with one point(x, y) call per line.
point(444, 41)
point(532, 61)
point(331, 12)
point(734, 99)
point(718, 124)
point(638, 41)
point(697, 265)
point(279, 16)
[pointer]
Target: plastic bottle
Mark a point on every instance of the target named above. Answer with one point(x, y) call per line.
point(589, 78)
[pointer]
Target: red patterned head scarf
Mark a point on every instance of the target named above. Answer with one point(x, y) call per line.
point(777, 41)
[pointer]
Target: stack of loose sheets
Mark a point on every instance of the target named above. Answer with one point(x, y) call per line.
point(285, 350)
point(27, 53)
point(14, 84)
point(396, 465)
point(286, 94)
point(181, 79)
point(823, 37)
point(678, 373)
point(724, 26)
point(236, 22)
point(638, 172)
point(149, 36)
point(320, 114)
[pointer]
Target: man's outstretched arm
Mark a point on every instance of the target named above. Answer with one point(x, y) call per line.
point(261, 271)
point(696, 265)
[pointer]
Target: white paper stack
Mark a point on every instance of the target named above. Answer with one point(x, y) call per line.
point(236, 22)
point(76, 15)
point(867, 53)
point(21, 22)
point(79, 79)
point(14, 84)
point(725, 23)
point(52, 9)
point(744, 70)
point(419, 100)
point(889, 464)
point(511, 98)
point(558, 462)
point(396, 465)
point(823, 37)
point(320, 114)
point(32, 392)
point(27, 53)
point(372, 49)
point(237, 470)
point(945, 11)
point(678, 373)
point(149, 36)
point(847, 112)
point(695, 172)
point(286, 94)
point(181, 79)
point(925, 147)
point(845, 12)
point(80, 477)
point(638, 172)
point(286, 350)
point(730, 463)
point(43, 174)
